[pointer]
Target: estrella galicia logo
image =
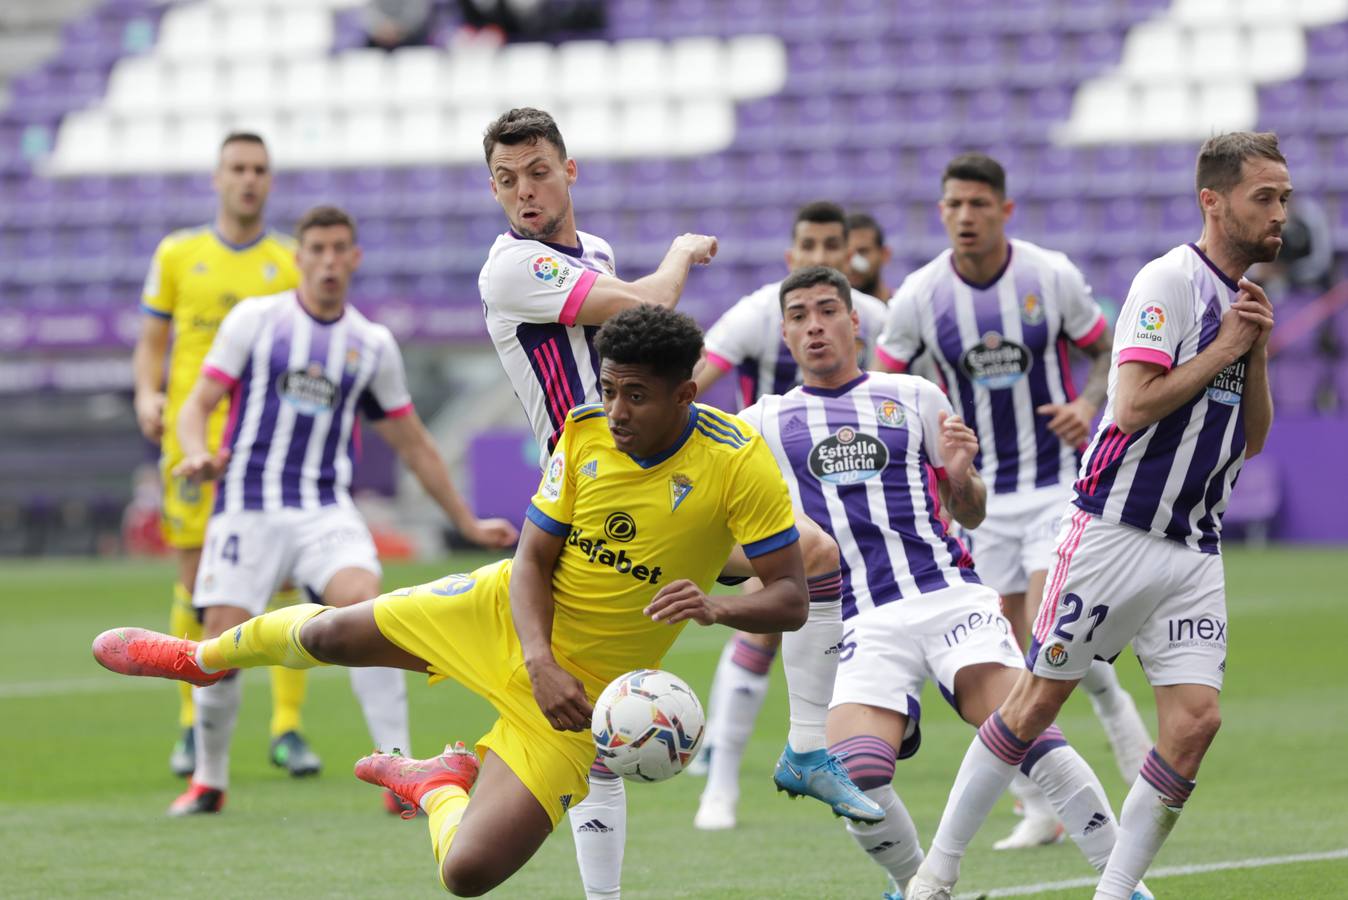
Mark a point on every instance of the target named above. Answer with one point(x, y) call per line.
point(620, 527)
point(1228, 385)
point(848, 456)
point(309, 390)
point(995, 363)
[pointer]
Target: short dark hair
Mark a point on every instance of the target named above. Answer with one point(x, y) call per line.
point(242, 137)
point(810, 276)
point(668, 342)
point(1222, 157)
point(863, 221)
point(324, 217)
point(522, 125)
point(820, 212)
point(976, 167)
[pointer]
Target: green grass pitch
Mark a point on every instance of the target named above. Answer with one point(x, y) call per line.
point(84, 781)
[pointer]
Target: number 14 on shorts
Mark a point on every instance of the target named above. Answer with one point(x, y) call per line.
point(229, 548)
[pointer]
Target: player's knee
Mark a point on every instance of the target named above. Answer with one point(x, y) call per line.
point(326, 639)
point(466, 878)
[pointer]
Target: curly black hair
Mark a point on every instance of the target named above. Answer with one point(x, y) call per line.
point(668, 342)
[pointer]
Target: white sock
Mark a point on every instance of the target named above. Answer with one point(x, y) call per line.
point(745, 691)
point(1117, 712)
point(893, 843)
point(982, 778)
point(599, 826)
point(1032, 800)
point(810, 660)
point(217, 711)
point(716, 697)
point(382, 693)
point(1150, 811)
point(1077, 796)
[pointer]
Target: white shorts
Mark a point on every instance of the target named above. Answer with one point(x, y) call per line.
point(889, 652)
point(1112, 584)
point(248, 555)
point(1017, 536)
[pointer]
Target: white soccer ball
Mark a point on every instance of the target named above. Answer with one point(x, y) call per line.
point(648, 725)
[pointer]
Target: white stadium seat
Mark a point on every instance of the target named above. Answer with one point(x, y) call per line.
point(756, 67)
point(640, 69)
point(584, 70)
point(250, 84)
point(702, 126)
point(307, 83)
point(527, 76)
point(193, 86)
point(136, 83)
point(1216, 52)
point(1276, 52)
point(418, 76)
point(83, 143)
point(191, 31)
point(363, 78)
point(698, 68)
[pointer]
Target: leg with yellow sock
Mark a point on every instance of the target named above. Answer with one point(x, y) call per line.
point(289, 750)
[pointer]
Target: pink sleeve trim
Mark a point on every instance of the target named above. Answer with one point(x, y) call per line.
point(894, 365)
point(719, 361)
point(1146, 355)
point(940, 472)
point(399, 412)
point(1093, 335)
point(215, 374)
point(579, 291)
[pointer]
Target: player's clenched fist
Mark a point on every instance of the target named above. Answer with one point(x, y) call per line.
point(560, 696)
point(701, 247)
point(679, 601)
point(958, 443)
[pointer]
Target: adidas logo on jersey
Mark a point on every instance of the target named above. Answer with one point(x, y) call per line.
point(596, 826)
point(795, 423)
point(590, 469)
point(1099, 820)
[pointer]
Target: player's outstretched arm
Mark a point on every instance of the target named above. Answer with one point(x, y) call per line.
point(782, 604)
point(416, 448)
point(609, 296)
point(199, 463)
point(559, 694)
point(147, 367)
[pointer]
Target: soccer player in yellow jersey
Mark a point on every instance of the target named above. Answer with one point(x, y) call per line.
point(197, 276)
point(639, 507)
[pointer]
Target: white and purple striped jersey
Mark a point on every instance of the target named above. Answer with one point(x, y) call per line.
point(1000, 350)
point(1173, 478)
point(858, 461)
point(531, 294)
point(297, 384)
point(748, 338)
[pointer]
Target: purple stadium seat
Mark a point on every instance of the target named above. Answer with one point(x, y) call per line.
point(1170, 171)
point(1179, 220)
point(1285, 106)
point(1096, 51)
point(1332, 107)
point(1326, 49)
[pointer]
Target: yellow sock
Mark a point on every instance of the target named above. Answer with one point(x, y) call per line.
point(272, 639)
point(183, 623)
point(287, 685)
point(444, 807)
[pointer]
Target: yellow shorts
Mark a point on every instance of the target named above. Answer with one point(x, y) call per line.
point(461, 625)
point(187, 506)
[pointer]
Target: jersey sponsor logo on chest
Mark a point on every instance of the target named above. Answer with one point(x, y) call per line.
point(598, 552)
point(1228, 385)
point(995, 362)
point(308, 390)
point(848, 456)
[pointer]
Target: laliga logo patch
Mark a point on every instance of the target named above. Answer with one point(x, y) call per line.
point(552, 482)
point(1055, 655)
point(545, 268)
point(1032, 309)
point(847, 457)
point(1151, 319)
point(889, 414)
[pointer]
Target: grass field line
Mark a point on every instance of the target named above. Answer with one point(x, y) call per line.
point(1258, 862)
point(104, 684)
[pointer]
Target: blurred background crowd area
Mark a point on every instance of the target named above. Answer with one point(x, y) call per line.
point(717, 116)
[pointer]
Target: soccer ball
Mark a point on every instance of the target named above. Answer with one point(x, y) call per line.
point(647, 725)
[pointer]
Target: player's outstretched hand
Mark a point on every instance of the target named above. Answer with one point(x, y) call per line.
point(205, 466)
point(701, 247)
point(1253, 306)
point(561, 697)
point(958, 443)
point(492, 533)
point(679, 601)
point(150, 415)
point(1071, 422)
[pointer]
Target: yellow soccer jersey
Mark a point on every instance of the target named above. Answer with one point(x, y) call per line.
point(195, 279)
point(633, 526)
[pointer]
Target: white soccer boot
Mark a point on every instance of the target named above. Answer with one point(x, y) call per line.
point(715, 812)
point(925, 886)
point(1032, 831)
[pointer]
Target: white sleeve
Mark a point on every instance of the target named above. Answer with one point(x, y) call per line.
point(1155, 318)
point(737, 335)
point(386, 395)
point(533, 283)
point(753, 415)
point(931, 402)
point(901, 340)
point(233, 344)
point(1083, 320)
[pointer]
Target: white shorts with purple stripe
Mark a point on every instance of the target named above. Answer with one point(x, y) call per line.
point(890, 651)
point(1114, 584)
point(248, 554)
